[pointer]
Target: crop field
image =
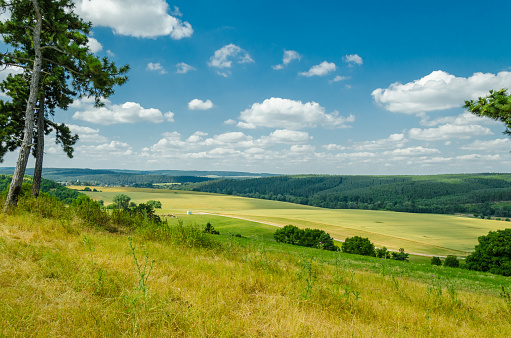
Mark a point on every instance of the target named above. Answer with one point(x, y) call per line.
point(417, 233)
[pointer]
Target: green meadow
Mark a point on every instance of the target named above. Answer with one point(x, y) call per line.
point(427, 234)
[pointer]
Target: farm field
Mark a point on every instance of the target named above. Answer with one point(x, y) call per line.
point(417, 233)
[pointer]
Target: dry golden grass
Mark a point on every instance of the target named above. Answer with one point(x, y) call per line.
point(63, 279)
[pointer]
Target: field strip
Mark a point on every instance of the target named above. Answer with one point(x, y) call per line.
point(281, 226)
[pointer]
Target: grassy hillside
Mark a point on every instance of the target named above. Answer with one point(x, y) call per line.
point(419, 233)
point(443, 194)
point(63, 276)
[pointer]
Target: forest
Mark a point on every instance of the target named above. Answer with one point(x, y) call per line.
point(484, 195)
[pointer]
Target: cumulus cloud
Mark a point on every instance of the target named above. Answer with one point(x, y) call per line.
point(289, 55)
point(353, 59)
point(463, 119)
point(393, 141)
point(94, 45)
point(287, 137)
point(144, 19)
point(498, 145)
point(412, 151)
point(448, 131)
point(156, 67)
point(197, 104)
point(129, 112)
point(183, 68)
point(324, 68)
point(114, 148)
point(290, 114)
point(333, 146)
point(225, 56)
point(87, 134)
point(339, 78)
point(438, 91)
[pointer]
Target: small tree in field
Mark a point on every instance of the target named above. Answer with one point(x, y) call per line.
point(122, 201)
point(359, 246)
point(452, 261)
point(436, 261)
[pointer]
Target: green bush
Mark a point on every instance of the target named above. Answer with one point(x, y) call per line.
point(400, 256)
point(90, 211)
point(312, 238)
point(492, 254)
point(452, 261)
point(382, 253)
point(436, 261)
point(358, 245)
point(209, 229)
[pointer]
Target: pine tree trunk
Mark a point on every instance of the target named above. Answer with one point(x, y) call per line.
point(19, 172)
point(38, 170)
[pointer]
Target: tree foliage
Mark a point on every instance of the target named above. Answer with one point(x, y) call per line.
point(48, 41)
point(436, 261)
point(496, 106)
point(121, 201)
point(312, 238)
point(359, 246)
point(452, 261)
point(492, 254)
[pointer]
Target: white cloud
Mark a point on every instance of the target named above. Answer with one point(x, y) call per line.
point(197, 104)
point(114, 148)
point(290, 114)
point(339, 78)
point(224, 57)
point(145, 19)
point(87, 134)
point(333, 146)
point(438, 91)
point(94, 45)
point(353, 58)
point(412, 151)
point(463, 119)
point(498, 145)
point(287, 136)
point(448, 131)
point(393, 141)
point(156, 67)
point(129, 112)
point(183, 68)
point(289, 55)
point(324, 68)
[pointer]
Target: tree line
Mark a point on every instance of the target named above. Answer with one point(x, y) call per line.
point(443, 194)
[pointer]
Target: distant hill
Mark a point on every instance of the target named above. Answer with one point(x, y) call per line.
point(481, 194)
point(132, 177)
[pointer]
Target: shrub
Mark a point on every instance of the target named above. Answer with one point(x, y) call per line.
point(452, 261)
point(400, 256)
point(492, 254)
point(154, 204)
point(312, 238)
point(382, 253)
point(89, 211)
point(436, 261)
point(358, 245)
point(209, 229)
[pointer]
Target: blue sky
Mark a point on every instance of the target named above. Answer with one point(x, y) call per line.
point(293, 87)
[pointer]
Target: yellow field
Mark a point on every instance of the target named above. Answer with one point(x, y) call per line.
point(417, 233)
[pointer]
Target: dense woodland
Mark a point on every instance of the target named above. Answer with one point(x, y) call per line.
point(111, 177)
point(480, 194)
point(49, 187)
